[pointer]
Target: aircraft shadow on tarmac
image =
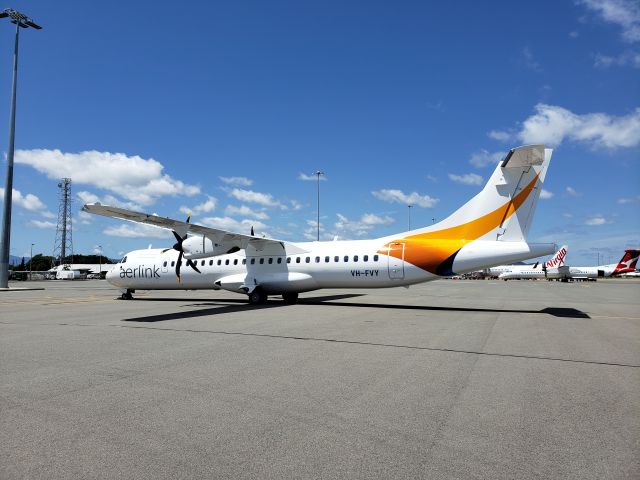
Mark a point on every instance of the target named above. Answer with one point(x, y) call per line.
point(220, 307)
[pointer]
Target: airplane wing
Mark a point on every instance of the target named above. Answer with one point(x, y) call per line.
point(215, 234)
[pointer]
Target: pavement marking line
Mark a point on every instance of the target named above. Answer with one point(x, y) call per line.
point(612, 317)
point(390, 345)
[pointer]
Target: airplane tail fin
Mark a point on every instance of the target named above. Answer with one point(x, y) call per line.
point(628, 261)
point(504, 209)
point(558, 259)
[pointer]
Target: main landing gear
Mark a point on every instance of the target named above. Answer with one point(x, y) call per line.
point(290, 298)
point(258, 297)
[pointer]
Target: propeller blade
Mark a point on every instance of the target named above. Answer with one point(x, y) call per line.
point(193, 265)
point(178, 263)
point(252, 234)
point(166, 250)
point(178, 237)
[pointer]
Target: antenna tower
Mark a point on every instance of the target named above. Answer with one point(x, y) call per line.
point(64, 240)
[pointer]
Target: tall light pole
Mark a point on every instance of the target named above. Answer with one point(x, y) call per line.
point(100, 247)
point(31, 262)
point(318, 173)
point(21, 21)
point(409, 208)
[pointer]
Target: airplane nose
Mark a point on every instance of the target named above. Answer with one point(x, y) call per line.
point(110, 274)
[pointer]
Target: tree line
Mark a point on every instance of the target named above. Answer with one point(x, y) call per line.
point(40, 263)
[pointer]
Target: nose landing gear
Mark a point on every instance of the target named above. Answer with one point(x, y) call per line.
point(127, 294)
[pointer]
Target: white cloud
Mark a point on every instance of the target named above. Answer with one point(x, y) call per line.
point(545, 194)
point(624, 201)
point(624, 13)
point(41, 224)
point(526, 58)
point(305, 177)
point(499, 135)
point(572, 192)
point(466, 179)
point(131, 177)
point(551, 125)
point(398, 196)
point(233, 225)
point(244, 211)
point(483, 158)
point(624, 59)
point(29, 202)
point(241, 181)
point(346, 228)
point(138, 230)
point(207, 206)
point(250, 196)
point(596, 220)
point(83, 218)
point(296, 205)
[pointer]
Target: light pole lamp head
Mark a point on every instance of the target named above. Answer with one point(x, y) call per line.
point(19, 18)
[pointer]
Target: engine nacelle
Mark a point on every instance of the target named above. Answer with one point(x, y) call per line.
point(201, 247)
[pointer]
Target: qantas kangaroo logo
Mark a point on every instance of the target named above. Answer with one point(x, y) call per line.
point(628, 262)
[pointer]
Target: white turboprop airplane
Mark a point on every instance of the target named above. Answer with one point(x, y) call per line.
point(490, 229)
point(556, 261)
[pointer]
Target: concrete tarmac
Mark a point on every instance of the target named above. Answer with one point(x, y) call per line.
point(449, 379)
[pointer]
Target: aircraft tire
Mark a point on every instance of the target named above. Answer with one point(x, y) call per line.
point(257, 297)
point(290, 298)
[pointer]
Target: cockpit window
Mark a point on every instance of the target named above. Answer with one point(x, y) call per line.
point(124, 260)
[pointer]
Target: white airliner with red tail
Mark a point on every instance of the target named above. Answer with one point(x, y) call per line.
point(627, 264)
point(490, 229)
point(539, 267)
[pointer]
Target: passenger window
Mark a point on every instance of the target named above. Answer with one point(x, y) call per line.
point(261, 261)
point(210, 262)
point(244, 261)
point(308, 259)
point(288, 259)
point(173, 264)
point(253, 261)
point(270, 260)
point(219, 262)
point(326, 259)
point(202, 263)
point(365, 258)
point(355, 258)
point(317, 259)
point(375, 258)
point(279, 260)
point(336, 258)
point(164, 264)
point(235, 261)
point(346, 258)
point(297, 259)
point(226, 262)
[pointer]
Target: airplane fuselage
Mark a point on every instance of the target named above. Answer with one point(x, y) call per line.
point(340, 264)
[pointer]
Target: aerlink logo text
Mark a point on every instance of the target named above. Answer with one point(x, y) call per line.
point(140, 272)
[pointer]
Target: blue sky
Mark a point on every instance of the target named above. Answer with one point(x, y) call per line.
point(224, 108)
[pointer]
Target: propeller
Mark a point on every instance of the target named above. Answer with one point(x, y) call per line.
point(252, 233)
point(178, 247)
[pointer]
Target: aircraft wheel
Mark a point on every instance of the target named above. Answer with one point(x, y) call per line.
point(257, 297)
point(290, 298)
point(126, 295)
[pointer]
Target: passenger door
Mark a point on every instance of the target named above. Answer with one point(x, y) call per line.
point(396, 260)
